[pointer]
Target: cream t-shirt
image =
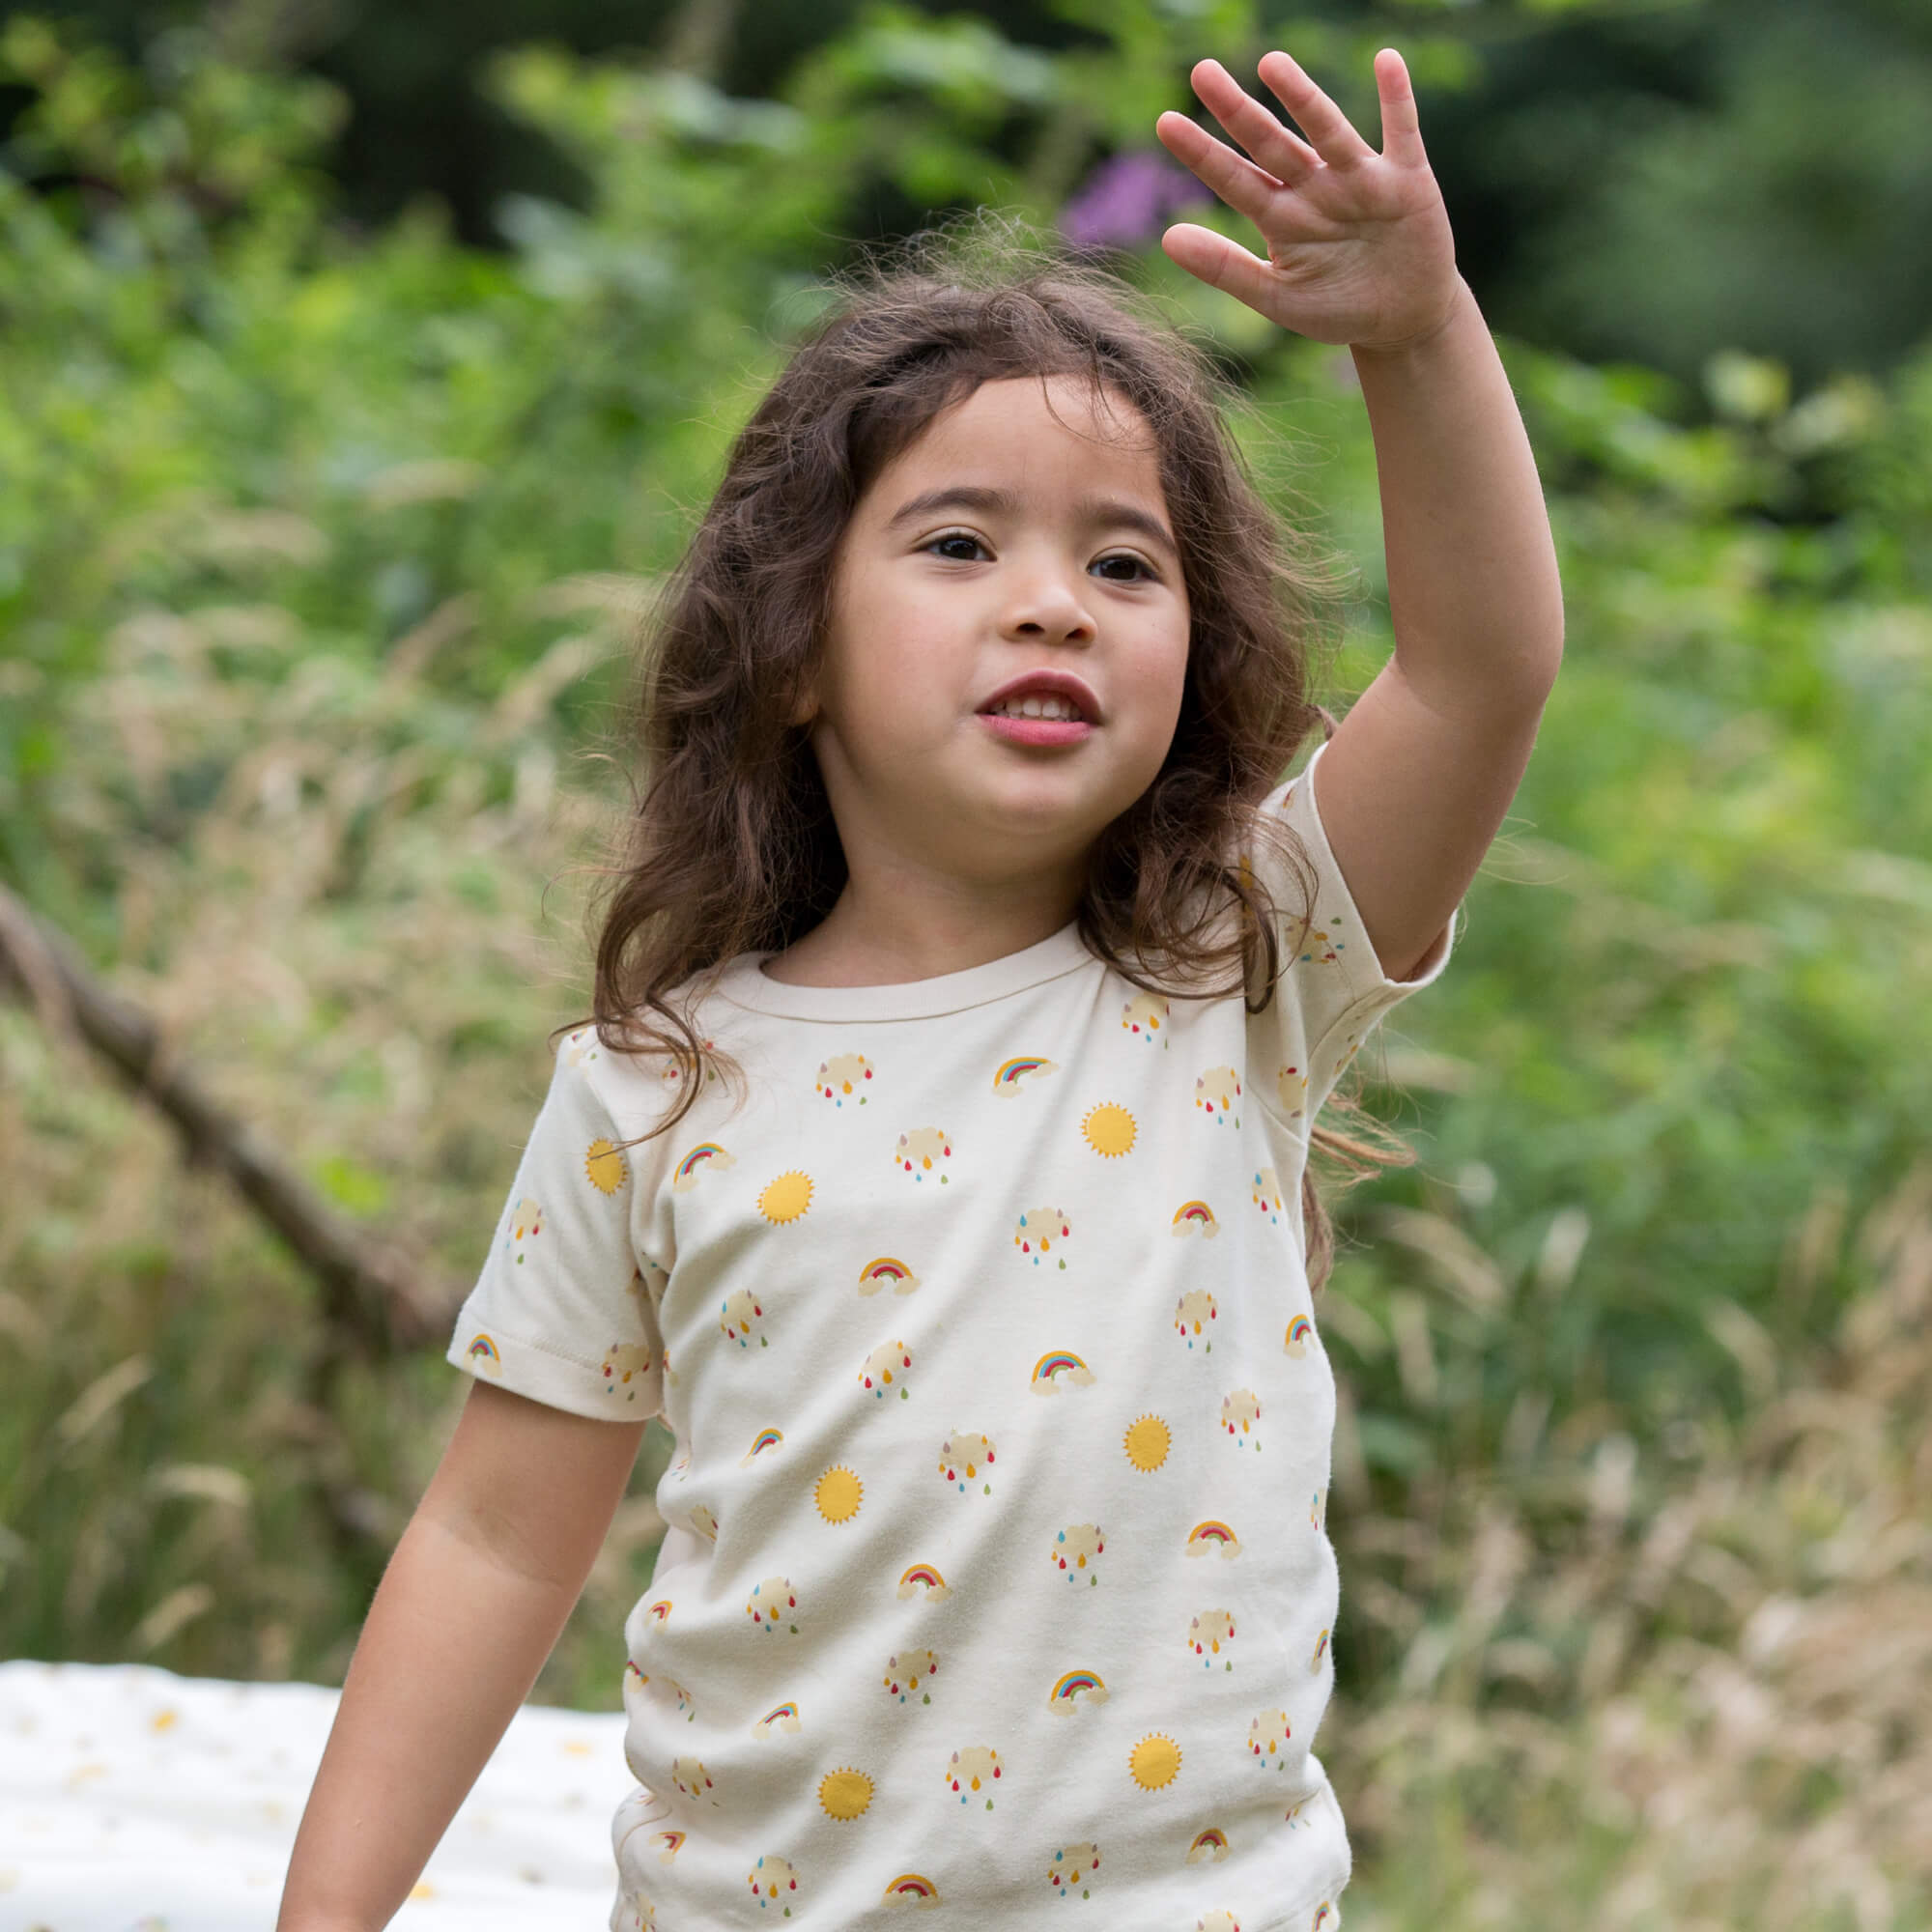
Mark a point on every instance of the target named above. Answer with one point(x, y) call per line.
point(996, 1568)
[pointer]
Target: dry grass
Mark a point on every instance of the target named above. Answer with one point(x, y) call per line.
point(1709, 1706)
point(344, 898)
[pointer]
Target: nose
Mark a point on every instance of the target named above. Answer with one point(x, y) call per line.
point(1048, 599)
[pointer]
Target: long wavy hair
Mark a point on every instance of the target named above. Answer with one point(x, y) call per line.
point(732, 847)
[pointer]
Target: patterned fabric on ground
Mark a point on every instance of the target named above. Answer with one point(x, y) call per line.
point(135, 1800)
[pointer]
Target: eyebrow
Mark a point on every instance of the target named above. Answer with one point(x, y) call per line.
point(1094, 510)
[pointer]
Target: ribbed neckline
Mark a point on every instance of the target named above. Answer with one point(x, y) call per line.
point(744, 983)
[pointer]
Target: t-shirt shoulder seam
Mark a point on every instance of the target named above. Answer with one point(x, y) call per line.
point(589, 1068)
point(593, 1080)
point(1362, 966)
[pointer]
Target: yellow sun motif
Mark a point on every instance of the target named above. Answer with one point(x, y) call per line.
point(605, 1165)
point(839, 1495)
point(1147, 1442)
point(1109, 1130)
point(786, 1198)
point(844, 1793)
point(1154, 1762)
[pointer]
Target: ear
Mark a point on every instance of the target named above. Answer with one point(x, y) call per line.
point(804, 700)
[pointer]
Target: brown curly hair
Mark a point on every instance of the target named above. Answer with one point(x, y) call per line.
point(733, 848)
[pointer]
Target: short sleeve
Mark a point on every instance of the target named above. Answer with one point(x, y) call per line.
point(564, 1310)
point(1334, 991)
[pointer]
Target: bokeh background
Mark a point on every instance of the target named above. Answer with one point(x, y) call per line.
point(362, 370)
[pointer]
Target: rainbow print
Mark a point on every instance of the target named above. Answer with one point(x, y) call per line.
point(1210, 1843)
point(1007, 1079)
point(766, 1438)
point(661, 1609)
point(1324, 1915)
point(1076, 1685)
point(1212, 1535)
point(670, 1841)
point(1301, 1331)
point(1321, 1651)
point(685, 1173)
point(911, 1888)
point(1193, 1214)
point(1059, 1362)
point(888, 1268)
point(922, 1576)
point(780, 1713)
point(482, 1350)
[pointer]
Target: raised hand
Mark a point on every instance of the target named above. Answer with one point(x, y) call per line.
point(1358, 243)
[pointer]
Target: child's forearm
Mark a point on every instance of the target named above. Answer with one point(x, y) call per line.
point(452, 1644)
point(1474, 596)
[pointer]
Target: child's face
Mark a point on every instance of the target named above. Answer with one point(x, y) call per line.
point(930, 615)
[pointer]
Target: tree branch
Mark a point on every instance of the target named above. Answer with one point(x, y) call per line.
point(374, 1299)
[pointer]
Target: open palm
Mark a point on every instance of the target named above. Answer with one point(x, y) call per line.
point(1358, 243)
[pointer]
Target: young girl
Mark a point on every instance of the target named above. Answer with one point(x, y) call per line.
point(916, 1171)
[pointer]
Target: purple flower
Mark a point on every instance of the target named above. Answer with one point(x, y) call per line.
point(1127, 200)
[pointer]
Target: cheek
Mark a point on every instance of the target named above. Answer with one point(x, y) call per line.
point(904, 664)
point(1160, 684)
point(897, 701)
point(1174, 671)
point(1160, 673)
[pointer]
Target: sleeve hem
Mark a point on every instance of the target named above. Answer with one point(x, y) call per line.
point(1361, 965)
point(614, 1391)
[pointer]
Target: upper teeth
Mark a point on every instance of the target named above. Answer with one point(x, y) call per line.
point(1036, 706)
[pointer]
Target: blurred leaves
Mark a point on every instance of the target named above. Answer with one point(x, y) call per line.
point(1720, 172)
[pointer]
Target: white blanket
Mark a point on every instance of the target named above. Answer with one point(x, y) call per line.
point(135, 1800)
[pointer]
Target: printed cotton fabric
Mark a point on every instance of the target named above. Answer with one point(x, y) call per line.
point(997, 1568)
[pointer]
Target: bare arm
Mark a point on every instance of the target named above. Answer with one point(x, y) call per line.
point(1423, 768)
point(480, 1585)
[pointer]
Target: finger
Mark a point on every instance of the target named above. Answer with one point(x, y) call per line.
point(1276, 148)
point(1246, 189)
point(1218, 262)
point(1328, 130)
point(1401, 130)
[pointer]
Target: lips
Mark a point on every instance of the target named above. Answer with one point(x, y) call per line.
point(1049, 684)
point(1036, 730)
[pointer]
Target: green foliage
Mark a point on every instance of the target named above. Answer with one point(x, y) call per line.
point(1693, 993)
point(319, 558)
point(1790, 207)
